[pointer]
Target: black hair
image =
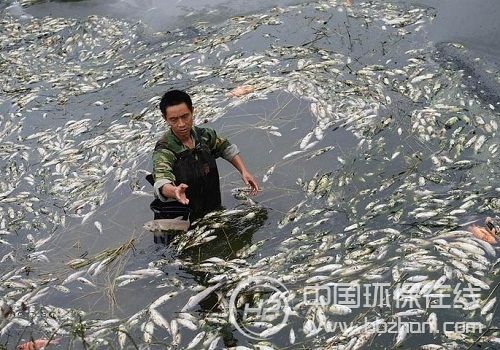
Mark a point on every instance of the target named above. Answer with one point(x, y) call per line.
point(174, 98)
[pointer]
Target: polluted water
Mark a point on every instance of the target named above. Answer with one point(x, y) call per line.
point(376, 148)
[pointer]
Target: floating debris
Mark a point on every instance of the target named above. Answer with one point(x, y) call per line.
point(241, 91)
point(37, 344)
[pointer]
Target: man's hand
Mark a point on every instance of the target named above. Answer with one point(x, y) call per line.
point(180, 194)
point(249, 180)
point(176, 192)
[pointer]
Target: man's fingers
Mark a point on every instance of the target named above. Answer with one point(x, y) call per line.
point(256, 185)
point(250, 182)
point(180, 193)
point(182, 199)
point(253, 184)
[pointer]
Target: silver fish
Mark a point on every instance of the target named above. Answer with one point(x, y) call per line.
point(177, 224)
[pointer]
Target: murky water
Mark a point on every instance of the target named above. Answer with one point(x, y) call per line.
point(157, 14)
point(375, 135)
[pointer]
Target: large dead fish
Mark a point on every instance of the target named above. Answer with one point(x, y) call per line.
point(177, 224)
point(483, 234)
point(37, 344)
point(195, 299)
point(240, 91)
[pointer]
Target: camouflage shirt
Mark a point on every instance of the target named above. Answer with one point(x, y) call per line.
point(169, 146)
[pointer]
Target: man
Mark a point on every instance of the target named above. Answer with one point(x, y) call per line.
point(186, 179)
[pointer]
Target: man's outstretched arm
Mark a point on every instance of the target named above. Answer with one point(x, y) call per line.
point(164, 178)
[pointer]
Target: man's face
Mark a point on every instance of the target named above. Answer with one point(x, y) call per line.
point(180, 119)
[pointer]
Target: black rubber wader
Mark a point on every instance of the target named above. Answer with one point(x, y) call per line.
point(196, 168)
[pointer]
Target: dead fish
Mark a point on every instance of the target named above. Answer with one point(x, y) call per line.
point(241, 193)
point(268, 173)
point(196, 340)
point(291, 154)
point(240, 91)
point(482, 234)
point(195, 299)
point(177, 224)
point(37, 344)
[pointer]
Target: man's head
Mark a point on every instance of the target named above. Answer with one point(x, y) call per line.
point(177, 109)
point(173, 98)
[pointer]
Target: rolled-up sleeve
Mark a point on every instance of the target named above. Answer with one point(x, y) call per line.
point(157, 186)
point(230, 152)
